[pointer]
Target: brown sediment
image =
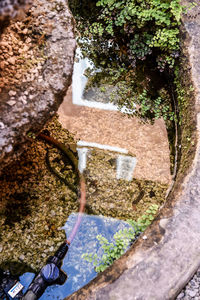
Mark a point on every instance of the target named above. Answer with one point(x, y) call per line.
point(82, 200)
point(111, 197)
point(34, 205)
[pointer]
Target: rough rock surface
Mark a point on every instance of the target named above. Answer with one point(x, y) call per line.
point(161, 262)
point(36, 61)
point(10, 9)
point(192, 289)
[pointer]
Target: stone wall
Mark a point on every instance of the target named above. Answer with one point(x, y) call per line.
point(166, 256)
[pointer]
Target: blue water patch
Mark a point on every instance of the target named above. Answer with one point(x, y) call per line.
point(79, 271)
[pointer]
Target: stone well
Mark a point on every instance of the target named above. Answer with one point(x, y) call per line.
point(167, 255)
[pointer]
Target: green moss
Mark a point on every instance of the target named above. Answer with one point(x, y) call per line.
point(187, 122)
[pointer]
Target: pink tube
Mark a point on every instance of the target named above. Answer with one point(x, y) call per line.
point(81, 210)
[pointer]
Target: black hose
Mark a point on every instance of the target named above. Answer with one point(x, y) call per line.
point(29, 296)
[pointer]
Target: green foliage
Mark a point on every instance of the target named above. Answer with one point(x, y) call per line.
point(135, 28)
point(140, 45)
point(144, 221)
point(140, 27)
point(31, 135)
point(158, 106)
point(121, 241)
point(128, 38)
point(149, 107)
point(131, 95)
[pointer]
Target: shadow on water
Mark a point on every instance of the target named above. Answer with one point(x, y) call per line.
point(16, 268)
point(17, 208)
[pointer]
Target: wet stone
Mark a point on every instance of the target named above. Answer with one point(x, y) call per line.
point(11, 102)
point(22, 257)
point(192, 293)
point(180, 296)
point(191, 290)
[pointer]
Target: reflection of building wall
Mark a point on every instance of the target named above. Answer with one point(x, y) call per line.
point(78, 87)
point(125, 164)
point(148, 143)
point(125, 167)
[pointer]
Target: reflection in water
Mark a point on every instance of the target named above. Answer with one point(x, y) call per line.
point(97, 122)
point(121, 157)
point(125, 164)
point(125, 167)
point(79, 271)
point(79, 78)
point(103, 147)
point(85, 98)
point(82, 159)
